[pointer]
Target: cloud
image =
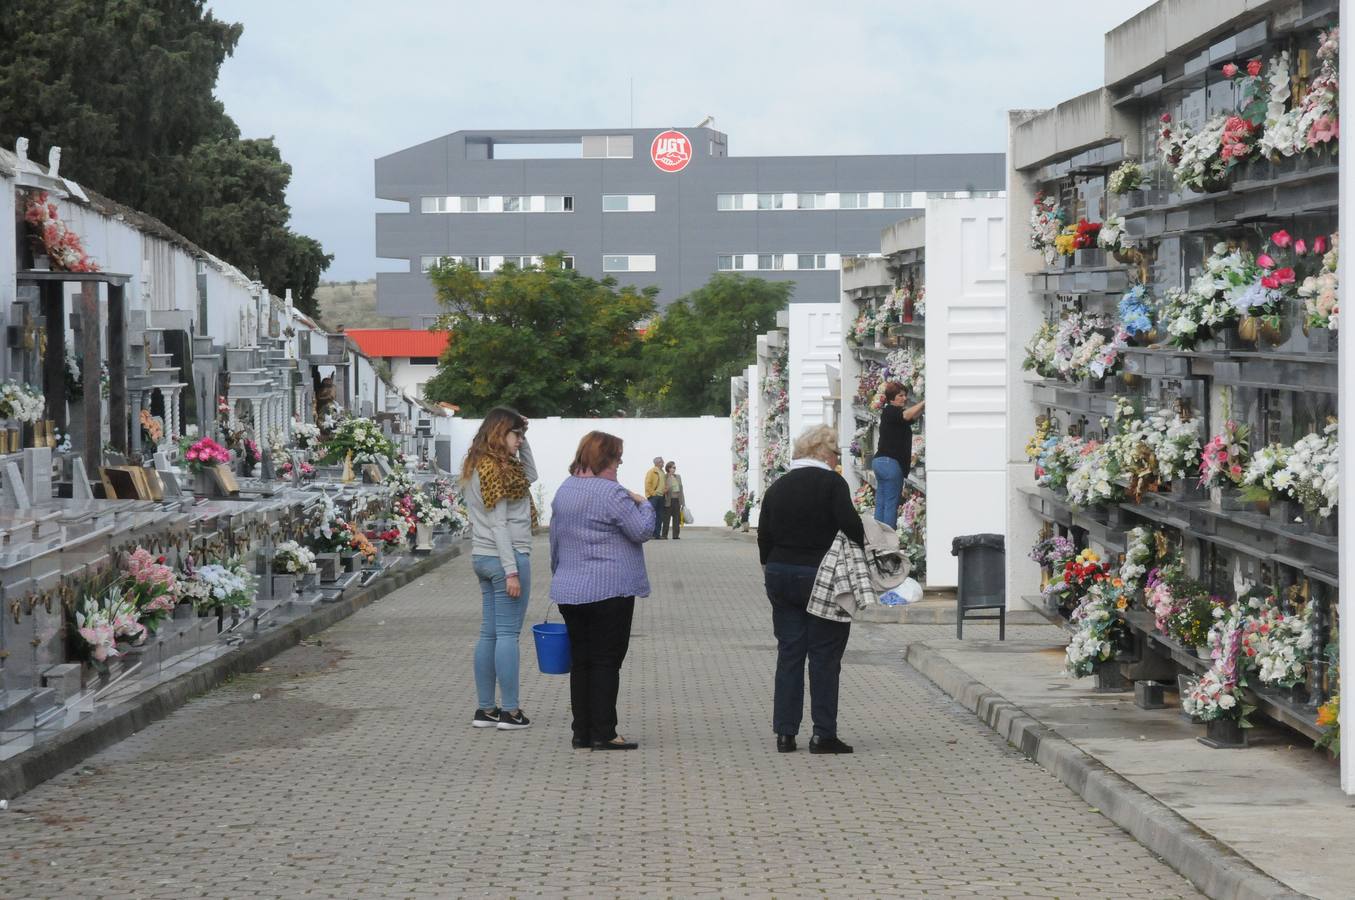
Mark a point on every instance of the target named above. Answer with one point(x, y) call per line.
point(340, 84)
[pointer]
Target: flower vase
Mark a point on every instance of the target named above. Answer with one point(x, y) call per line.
point(1224, 734)
point(423, 537)
point(1185, 488)
point(1281, 165)
point(1298, 694)
point(1096, 385)
point(283, 587)
point(1227, 498)
point(1322, 525)
point(328, 565)
point(1284, 511)
point(1089, 258)
point(349, 561)
point(1321, 340)
point(203, 483)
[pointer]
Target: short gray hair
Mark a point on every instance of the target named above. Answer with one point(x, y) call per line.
point(816, 442)
point(657, 460)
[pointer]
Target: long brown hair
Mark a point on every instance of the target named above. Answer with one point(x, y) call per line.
point(492, 439)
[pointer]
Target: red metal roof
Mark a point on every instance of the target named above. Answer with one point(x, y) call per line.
point(394, 342)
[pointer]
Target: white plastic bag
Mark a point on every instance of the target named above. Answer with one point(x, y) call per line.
point(908, 592)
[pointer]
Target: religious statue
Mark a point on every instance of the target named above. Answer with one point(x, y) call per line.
point(54, 162)
point(324, 400)
point(21, 151)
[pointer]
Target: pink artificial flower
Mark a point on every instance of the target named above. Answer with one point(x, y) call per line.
point(1165, 117)
point(1265, 261)
point(1281, 238)
point(1324, 129)
point(1229, 70)
point(1320, 244)
point(1254, 67)
point(1270, 282)
point(1285, 275)
point(1301, 247)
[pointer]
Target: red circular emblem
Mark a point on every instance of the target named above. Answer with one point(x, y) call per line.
point(671, 151)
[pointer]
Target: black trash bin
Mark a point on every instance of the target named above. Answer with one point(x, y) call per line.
point(982, 581)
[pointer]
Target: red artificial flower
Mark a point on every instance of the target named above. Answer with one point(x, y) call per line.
point(1285, 275)
point(1281, 238)
point(1229, 70)
point(1270, 282)
point(1254, 67)
point(1265, 261)
point(1301, 247)
point(1320, 244)
point(1165, 117)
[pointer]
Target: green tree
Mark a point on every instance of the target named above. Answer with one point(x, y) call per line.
point(126, 89)
point(701, 341)
point(544, 340)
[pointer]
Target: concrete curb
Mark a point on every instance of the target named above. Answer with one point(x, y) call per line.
point(1211, 865)
point(27, 770)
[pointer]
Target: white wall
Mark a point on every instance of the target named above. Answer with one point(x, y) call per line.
point(700, 447)
point(407, 378)
point(815, 342)
point(966, 350)
point(8, 259)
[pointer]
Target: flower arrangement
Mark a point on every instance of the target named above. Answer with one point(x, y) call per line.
point(1126, 178)
point(1093, 480)
point(1223, 458)
point(306, 435)
point(426, 510)
point(1113, 237)
point(912, 531)
point(1261, 470)
point(1058, 458)
point(1318, 291)
point(1329, 719)
point(1044, 430)
point(775, 388)
point(1086, 346)
point(227, 585)
point(62, 245)
point(863, 329)
point(1195, 157)
point(1053, 552)
point(864, 499)
point(363, 438)
point(101, 621)
point(1158, 446)
point(21, 402)
point(290, 558)
point(1312, 471)
point(307, 470)
point(1218, 693)
point(1276, 645)
point(1312, 123)
point(1046, 226)
point(1040, 351)
point(1136, 312)
point(203, 453)
point(1140, 554)
point(1085, 570)
point(907, 366)
point(150, 586)
point(391, 538)
point(1097, 628)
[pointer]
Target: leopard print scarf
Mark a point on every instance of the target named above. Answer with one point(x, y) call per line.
point(504, 481)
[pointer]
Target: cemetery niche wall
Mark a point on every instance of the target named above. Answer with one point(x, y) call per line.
point(1175, 314)
point(166, 489)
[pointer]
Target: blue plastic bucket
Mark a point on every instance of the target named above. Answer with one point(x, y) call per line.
point(552, 647)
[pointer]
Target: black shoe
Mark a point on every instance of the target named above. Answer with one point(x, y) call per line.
point(486, 718)
point(579, 743)
point(785, 743)
point(828, 745)
point(677, 538)
point(616, 743)
point(509, 721)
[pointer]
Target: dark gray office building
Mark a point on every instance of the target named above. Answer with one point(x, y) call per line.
point(665, 207)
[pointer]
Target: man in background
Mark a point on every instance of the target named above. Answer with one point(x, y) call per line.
point(654, 491)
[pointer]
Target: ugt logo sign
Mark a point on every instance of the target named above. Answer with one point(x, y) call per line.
point(671, 151)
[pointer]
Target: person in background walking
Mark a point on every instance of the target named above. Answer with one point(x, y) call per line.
point(654, 488)
point(802, 513)
point(597, 561)
point(894, 455)
point(673, 501)
point(499, 472)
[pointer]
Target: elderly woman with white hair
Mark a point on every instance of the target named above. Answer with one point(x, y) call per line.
point(802, 513)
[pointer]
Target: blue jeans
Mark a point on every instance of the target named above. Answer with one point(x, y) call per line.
point(800, 635)
point(888, 489)
point(657, 502)
point(496, 653)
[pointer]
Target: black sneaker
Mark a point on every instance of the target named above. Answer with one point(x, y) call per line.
point(486, 718)
point(823, 745)
point(508, 721)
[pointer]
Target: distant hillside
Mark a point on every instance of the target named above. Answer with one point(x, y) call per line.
point(351, 304)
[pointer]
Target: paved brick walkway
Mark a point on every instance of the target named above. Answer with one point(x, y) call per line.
point(357, 775)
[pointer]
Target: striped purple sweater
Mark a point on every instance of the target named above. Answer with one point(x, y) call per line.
point(596, 533)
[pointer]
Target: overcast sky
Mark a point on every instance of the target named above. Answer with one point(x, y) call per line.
point(339, 84)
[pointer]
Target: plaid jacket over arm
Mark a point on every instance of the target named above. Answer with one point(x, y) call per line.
point(842, 586)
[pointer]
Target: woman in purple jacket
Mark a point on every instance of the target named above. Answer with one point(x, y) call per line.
point(597, 528)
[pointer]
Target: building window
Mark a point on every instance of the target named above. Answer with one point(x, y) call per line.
point(627, 202)
point(771, 262)
point(559, 204)
point(730, 262)
point(853, 200)
point(729, 201)
point(517, 204)
point(893, 200)
point(770, 201)
point(608, 146)
point(632, 263)
point(423, 360)
point(812, 201)
point(812, 261)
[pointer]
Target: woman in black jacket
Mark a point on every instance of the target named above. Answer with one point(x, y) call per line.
point(802, 513)
point(894, 455)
